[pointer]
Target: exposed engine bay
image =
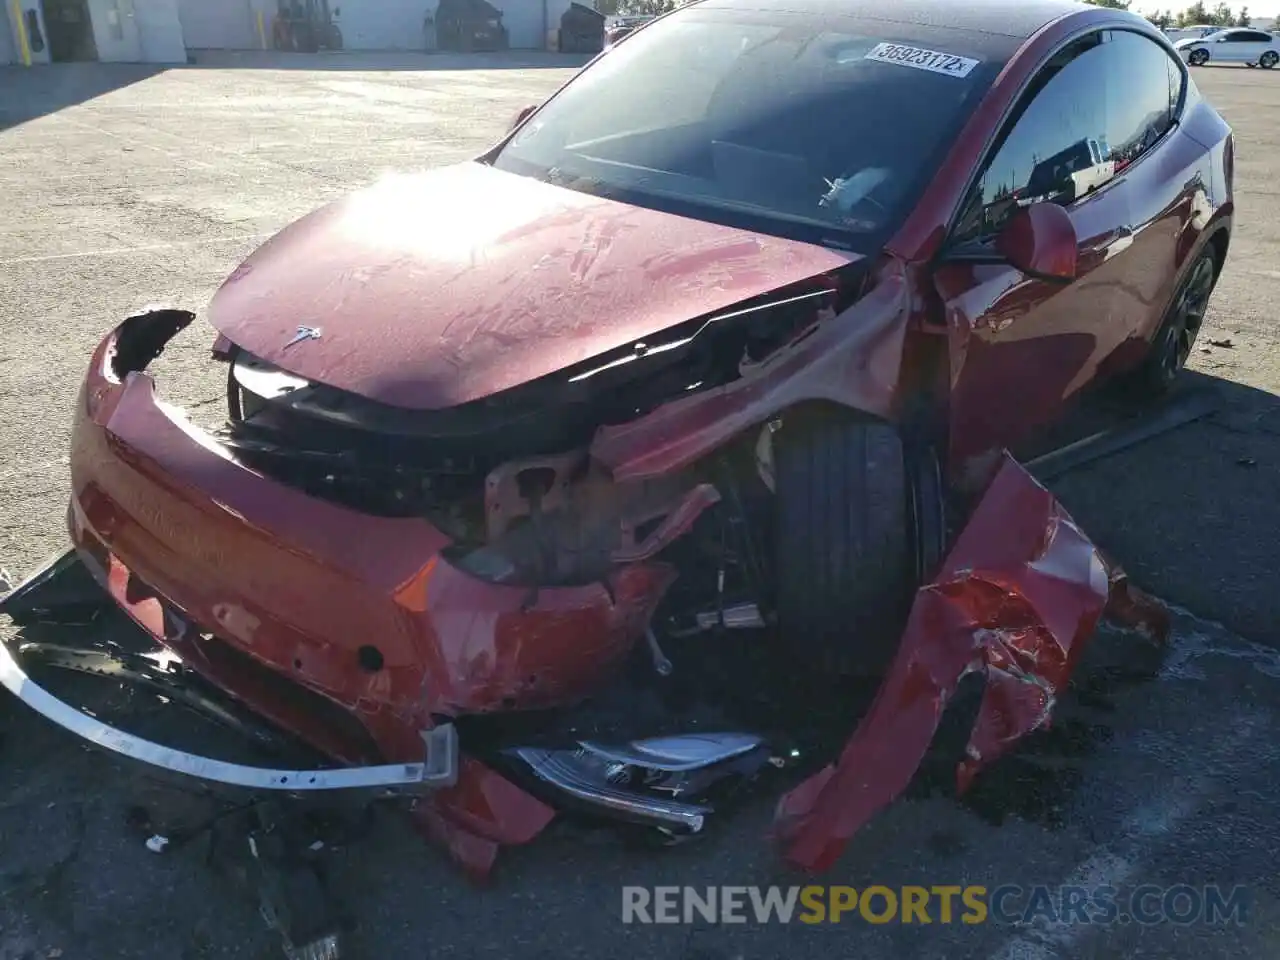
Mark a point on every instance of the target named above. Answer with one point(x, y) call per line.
point(709, 697)
point(510, 478)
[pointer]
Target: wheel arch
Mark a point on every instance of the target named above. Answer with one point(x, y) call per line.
point(1220, 241)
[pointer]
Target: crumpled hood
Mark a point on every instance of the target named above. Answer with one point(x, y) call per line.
point(433, 289)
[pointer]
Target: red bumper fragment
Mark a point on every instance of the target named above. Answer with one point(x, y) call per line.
point(1018, 598)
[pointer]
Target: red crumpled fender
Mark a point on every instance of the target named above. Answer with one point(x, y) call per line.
point(1019, 597)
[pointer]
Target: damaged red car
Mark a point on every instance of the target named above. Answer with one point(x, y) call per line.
point(600, 473)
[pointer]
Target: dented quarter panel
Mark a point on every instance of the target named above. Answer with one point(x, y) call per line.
point(1018, 598)
point(439, 288)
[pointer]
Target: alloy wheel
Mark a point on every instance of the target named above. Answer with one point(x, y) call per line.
point(1198, 58)
point(1186, 318)
point(1269, 59)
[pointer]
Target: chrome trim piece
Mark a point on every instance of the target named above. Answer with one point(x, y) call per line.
point(743, 616)
point(677, 754)
point(568, 771)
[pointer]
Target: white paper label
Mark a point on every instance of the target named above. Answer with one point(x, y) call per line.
point(921, 59)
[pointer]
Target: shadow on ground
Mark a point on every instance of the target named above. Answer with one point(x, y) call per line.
point(27, 93)
point(1204, 491)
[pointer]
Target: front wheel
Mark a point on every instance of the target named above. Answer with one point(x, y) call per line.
point(1269, 59)
point(857, 511)
point(1198, 58)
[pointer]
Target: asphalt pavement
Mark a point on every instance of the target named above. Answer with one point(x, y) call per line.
point(122, 186)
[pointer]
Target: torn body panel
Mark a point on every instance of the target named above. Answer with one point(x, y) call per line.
point(1018, 599)
point(854, 360)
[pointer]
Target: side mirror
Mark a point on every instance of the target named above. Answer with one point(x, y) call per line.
point(1040, 240)
point(522, 116)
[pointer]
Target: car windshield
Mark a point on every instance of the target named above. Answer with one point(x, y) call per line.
point(828, 128)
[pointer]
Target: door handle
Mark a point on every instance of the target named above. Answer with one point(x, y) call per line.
point(1109, 244)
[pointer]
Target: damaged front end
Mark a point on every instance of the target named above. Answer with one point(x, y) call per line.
point(569, 591)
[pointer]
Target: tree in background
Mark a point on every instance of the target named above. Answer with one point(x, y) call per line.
point(1276, 25)
point(1243, 19)
point(1164, 19)
point(646, 8)
point(1113, 4)
point(1196, 13)
point(1222, 16)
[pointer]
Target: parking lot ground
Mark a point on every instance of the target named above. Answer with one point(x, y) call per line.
point(123, 186)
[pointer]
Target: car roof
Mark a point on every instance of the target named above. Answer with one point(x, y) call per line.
point(1017, 19)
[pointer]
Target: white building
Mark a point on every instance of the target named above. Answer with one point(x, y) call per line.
point(163, 31)
point(129, 31)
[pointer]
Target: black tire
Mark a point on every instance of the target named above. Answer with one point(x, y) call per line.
point(1176, 337)
point(1198, 58)
point(848, 548)
point(1269, 59)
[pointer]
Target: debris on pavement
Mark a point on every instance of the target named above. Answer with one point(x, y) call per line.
point(1224, 343)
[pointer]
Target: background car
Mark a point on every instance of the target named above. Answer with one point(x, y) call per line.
point(621, 27)
point(1192, 32)
point(1257, 48)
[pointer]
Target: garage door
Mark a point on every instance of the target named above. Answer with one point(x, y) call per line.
point(523, 20)
point(8, 50)
point(382, 24)
point(218, 25)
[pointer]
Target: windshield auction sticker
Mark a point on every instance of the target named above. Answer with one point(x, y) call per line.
point(921, 59)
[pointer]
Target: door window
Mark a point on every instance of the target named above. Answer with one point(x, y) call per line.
point(1100, 104)
point(1246, 36)
point(1176, 82)
point(1138, 109)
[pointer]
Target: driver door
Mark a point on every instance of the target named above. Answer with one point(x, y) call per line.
point(1022, 346)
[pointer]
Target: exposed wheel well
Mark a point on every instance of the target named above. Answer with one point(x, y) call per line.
point(1219, 242)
